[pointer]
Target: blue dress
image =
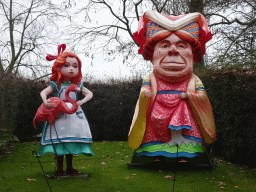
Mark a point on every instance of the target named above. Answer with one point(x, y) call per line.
point(71, 133)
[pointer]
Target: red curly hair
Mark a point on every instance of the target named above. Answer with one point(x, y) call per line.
point(60, 61)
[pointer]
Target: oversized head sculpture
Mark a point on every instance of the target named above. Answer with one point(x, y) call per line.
point(173, 117)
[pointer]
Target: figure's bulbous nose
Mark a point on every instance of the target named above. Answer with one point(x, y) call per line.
point(172, 50)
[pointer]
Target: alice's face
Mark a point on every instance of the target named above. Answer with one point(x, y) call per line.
point(173, 59)
point(70, 68)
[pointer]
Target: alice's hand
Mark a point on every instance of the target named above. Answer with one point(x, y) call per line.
point(148, 93)
point(183, 95)
point(49, 104)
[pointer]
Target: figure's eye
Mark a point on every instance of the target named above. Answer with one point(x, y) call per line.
point(181, 46)
point(65, 65)
point(164, 46)
point(75, 66)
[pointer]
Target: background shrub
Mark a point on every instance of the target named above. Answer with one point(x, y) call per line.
point(233, 98)
point(111, 110)
point(19, 100)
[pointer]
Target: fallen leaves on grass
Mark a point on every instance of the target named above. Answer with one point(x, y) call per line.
point(221, 183)
point(103, 163)
point(169, 177)
point(31, 179)
point(126, 178)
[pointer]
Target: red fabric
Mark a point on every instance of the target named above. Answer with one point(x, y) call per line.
point(169, 109)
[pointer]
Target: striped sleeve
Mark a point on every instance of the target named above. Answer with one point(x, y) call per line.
point(81, 85)
point(54, 86)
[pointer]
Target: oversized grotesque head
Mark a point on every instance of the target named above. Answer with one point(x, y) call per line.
point(172, 43)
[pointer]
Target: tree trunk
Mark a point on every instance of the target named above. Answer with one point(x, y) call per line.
point(197, 6)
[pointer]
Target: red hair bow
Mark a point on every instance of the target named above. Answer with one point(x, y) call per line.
point(61, 49)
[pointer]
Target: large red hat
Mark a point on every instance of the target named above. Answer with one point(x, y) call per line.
point(153, 23)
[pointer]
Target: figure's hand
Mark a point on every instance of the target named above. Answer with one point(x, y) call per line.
point(183, 95)
point(148, 93)
point(49, 104)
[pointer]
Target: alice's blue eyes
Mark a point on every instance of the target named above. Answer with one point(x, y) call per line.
point(67, 65)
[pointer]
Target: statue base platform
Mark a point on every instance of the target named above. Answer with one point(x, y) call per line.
point(165, 163)
point(84, 175)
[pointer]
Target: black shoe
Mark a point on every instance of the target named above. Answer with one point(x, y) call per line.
point(72, 172)
point(59, 174)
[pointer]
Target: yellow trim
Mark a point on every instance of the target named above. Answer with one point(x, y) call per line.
point(137, 133)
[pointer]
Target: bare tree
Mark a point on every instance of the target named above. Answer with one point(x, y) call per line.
point(25, 30)
point(232, 23)
point(234, 28)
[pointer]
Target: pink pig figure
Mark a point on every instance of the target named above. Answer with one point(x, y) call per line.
point(173, 117)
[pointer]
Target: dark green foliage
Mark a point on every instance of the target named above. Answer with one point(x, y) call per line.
point(111, 109)
point(233, 97)
point(19, 100)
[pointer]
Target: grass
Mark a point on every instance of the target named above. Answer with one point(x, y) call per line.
point(5, 137)
point(20, 171)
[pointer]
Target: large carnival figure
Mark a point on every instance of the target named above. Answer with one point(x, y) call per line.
point(173, 116)
point(66, 134)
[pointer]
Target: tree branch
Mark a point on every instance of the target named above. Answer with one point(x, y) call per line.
point(160, 11)
point(136, 9)
point(127, 21)
point(228, 22)
point(235, 40)
point(110, 8)
point(23, 31)
point(1, 66)
point(42, 77)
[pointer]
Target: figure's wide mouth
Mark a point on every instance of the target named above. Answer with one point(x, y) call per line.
point(176, 66)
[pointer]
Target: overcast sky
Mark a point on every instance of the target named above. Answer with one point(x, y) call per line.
point(101, 67)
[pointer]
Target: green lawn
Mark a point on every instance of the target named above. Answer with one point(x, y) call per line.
point(20, 171)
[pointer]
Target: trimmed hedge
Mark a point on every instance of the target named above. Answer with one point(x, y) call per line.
point(111, 109)
point(19, 100)
point(233, 97)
